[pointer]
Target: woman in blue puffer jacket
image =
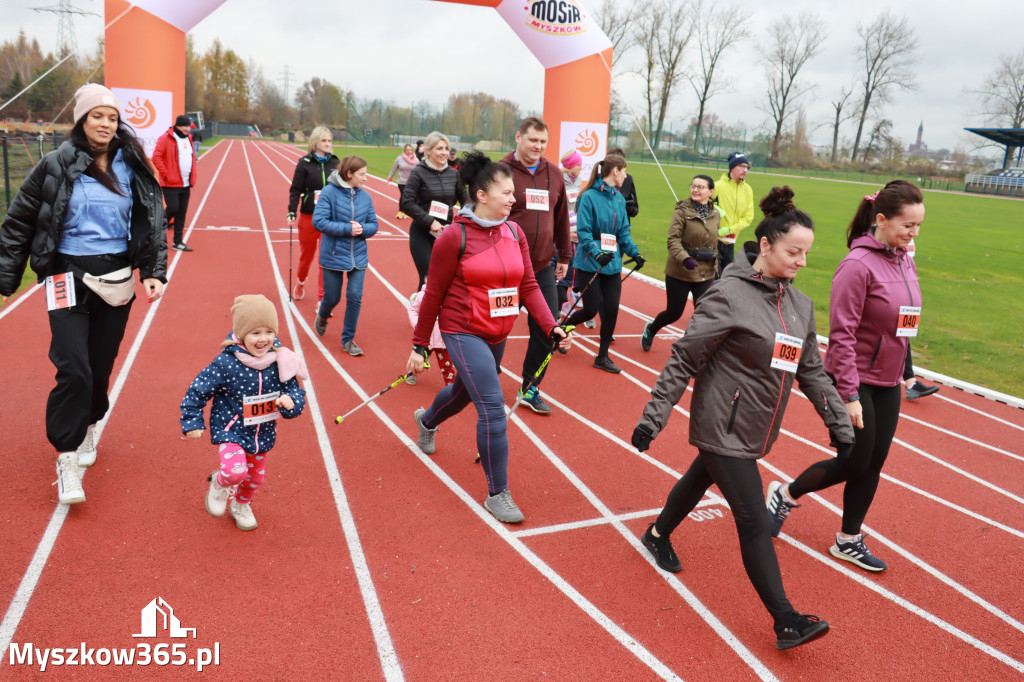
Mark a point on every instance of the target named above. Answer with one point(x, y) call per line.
point(346, 217)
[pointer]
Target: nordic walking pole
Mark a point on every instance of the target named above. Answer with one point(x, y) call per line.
point(636, 267)
point(338, 420)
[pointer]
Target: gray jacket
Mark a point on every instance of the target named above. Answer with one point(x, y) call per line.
point(738, 398)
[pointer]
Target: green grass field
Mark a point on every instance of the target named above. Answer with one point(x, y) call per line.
point(969, 258)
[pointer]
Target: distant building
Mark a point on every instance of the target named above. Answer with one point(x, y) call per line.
point(919, 147)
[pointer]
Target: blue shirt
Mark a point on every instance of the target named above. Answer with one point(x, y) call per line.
point(97, 220)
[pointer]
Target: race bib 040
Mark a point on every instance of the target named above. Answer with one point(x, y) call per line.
point(910, 319)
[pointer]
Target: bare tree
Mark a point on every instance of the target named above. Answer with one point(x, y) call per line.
point(792, 44)
point(888, 49)
point(720, 30)
point(838, 105)
point(615, 21)
point(1002, 95)
point(662, 31)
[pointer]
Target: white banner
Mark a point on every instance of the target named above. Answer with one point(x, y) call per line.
point(182, 14)
point(149, 112)
point(556, 31)
point(589, 140)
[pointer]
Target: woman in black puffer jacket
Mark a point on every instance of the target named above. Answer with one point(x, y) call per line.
point(88, 214)
point(430, 194)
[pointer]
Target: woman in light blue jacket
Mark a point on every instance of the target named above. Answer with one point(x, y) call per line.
point(603, 229)
point(346, 217)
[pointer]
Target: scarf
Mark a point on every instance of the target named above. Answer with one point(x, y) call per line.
point(702, 209)
point(432, 166)
point(288, 363)
point(410, 159)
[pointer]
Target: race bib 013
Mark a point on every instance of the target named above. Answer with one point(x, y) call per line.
point(257, 409)
point(786, 355)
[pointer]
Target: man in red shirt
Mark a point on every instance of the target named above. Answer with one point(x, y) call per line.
point(542, 211)
point(176, 162)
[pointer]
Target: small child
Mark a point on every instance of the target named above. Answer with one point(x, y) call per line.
point(252, 382)
point(436, 342)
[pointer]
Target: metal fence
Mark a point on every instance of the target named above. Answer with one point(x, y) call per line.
point(1005, 183)
point(21, 152)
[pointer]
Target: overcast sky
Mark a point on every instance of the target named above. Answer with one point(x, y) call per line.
point(413, 50)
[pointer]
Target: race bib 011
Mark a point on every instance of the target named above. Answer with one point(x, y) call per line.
point(60, 291)
point(257, 409)
point(786, 355)
point(910, 319)
point(503, 302)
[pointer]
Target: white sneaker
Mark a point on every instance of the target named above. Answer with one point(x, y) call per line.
point(69, 481)
point(217, 497)
point(243, 516)
point(87, 450)
point(590, 324)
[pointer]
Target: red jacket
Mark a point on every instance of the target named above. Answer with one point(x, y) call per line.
point(459, 290)
point(547, 230)
point(165, 158)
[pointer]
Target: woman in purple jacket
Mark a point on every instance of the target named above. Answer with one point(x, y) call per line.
point(874, 311)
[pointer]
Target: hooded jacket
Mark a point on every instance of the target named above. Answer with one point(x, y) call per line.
point(736, 202)
point(339, 204)
point(602, 210)
point(738, 397)
point(458, 287)
point(309, 178)
point(870, 285)
point(425, 185)
point(689, 231)
point(228, 382)
point(165, 158)
point(33, 224)
point(546, 231)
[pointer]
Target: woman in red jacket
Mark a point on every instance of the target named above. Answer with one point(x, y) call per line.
point(480, 273)
point(874, 310)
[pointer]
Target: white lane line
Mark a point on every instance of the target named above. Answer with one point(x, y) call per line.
point(27, 585)
point(385, 647)
point(908, 605)
point(591, 523)
point(942, 577)
point(18, 301)
point(966, 474)
point(983, 413)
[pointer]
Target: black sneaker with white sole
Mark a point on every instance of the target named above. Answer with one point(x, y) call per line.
point(181, 246)
point(661, 550)
point(799, 628)
point(778, 507)
point(856, 552)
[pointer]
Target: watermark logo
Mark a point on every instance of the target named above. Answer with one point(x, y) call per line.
point(150, 620)
point(587, 142)
point(140, 112)
point(555, 17)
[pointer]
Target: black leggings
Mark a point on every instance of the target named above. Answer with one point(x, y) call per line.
point(740, 483)
point(676, 293)
point(176, 199)
point(602, 297)
point(421, 245)
point(862, 469)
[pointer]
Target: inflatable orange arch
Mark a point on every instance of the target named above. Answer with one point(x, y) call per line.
point(145, 64)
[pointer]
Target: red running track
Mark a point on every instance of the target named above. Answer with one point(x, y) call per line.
point(374, 561)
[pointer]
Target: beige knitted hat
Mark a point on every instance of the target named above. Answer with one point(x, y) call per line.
point(252, 311)
point(92, 95)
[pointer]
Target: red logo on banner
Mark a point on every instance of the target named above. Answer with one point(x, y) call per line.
point(587, 143)
point(556, 17)
point(140, 114)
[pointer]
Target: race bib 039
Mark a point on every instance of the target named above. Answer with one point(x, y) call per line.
point(786, 355)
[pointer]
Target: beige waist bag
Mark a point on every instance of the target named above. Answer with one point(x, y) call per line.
point(116, 288)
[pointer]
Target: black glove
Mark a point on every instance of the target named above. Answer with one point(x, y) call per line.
point(642, 437)
point(639, 260)
point(604, 258)
point(843, 450)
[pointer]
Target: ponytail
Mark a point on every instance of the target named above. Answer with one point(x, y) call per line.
point(478, 172)
point(888, 201)
point(604, 168)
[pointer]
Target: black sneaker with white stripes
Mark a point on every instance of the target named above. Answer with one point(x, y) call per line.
point(856, 552)
point(799, 628)
point(778, 507)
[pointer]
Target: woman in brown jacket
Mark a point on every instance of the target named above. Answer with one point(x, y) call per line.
point(692, 253)
point(751, 336)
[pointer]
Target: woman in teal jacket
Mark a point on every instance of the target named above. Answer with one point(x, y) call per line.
point(346, 217)
point(603, 229)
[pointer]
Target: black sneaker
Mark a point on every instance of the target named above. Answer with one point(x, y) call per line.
point(778, 507)
point(647, 338)
point(181, 246)
point(533, 400)
point(856, 552)
point(607, 365)
point(799, 628)
point(919, 390)
point(661, 550)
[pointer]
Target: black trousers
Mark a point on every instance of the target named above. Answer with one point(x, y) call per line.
point(862, 469)
point(740, 483)
point(602, 298)
point(676, 293)
point(176, 199)
point(540, 343)
point(726, 255)
point(84, 343)
point(421, 246)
